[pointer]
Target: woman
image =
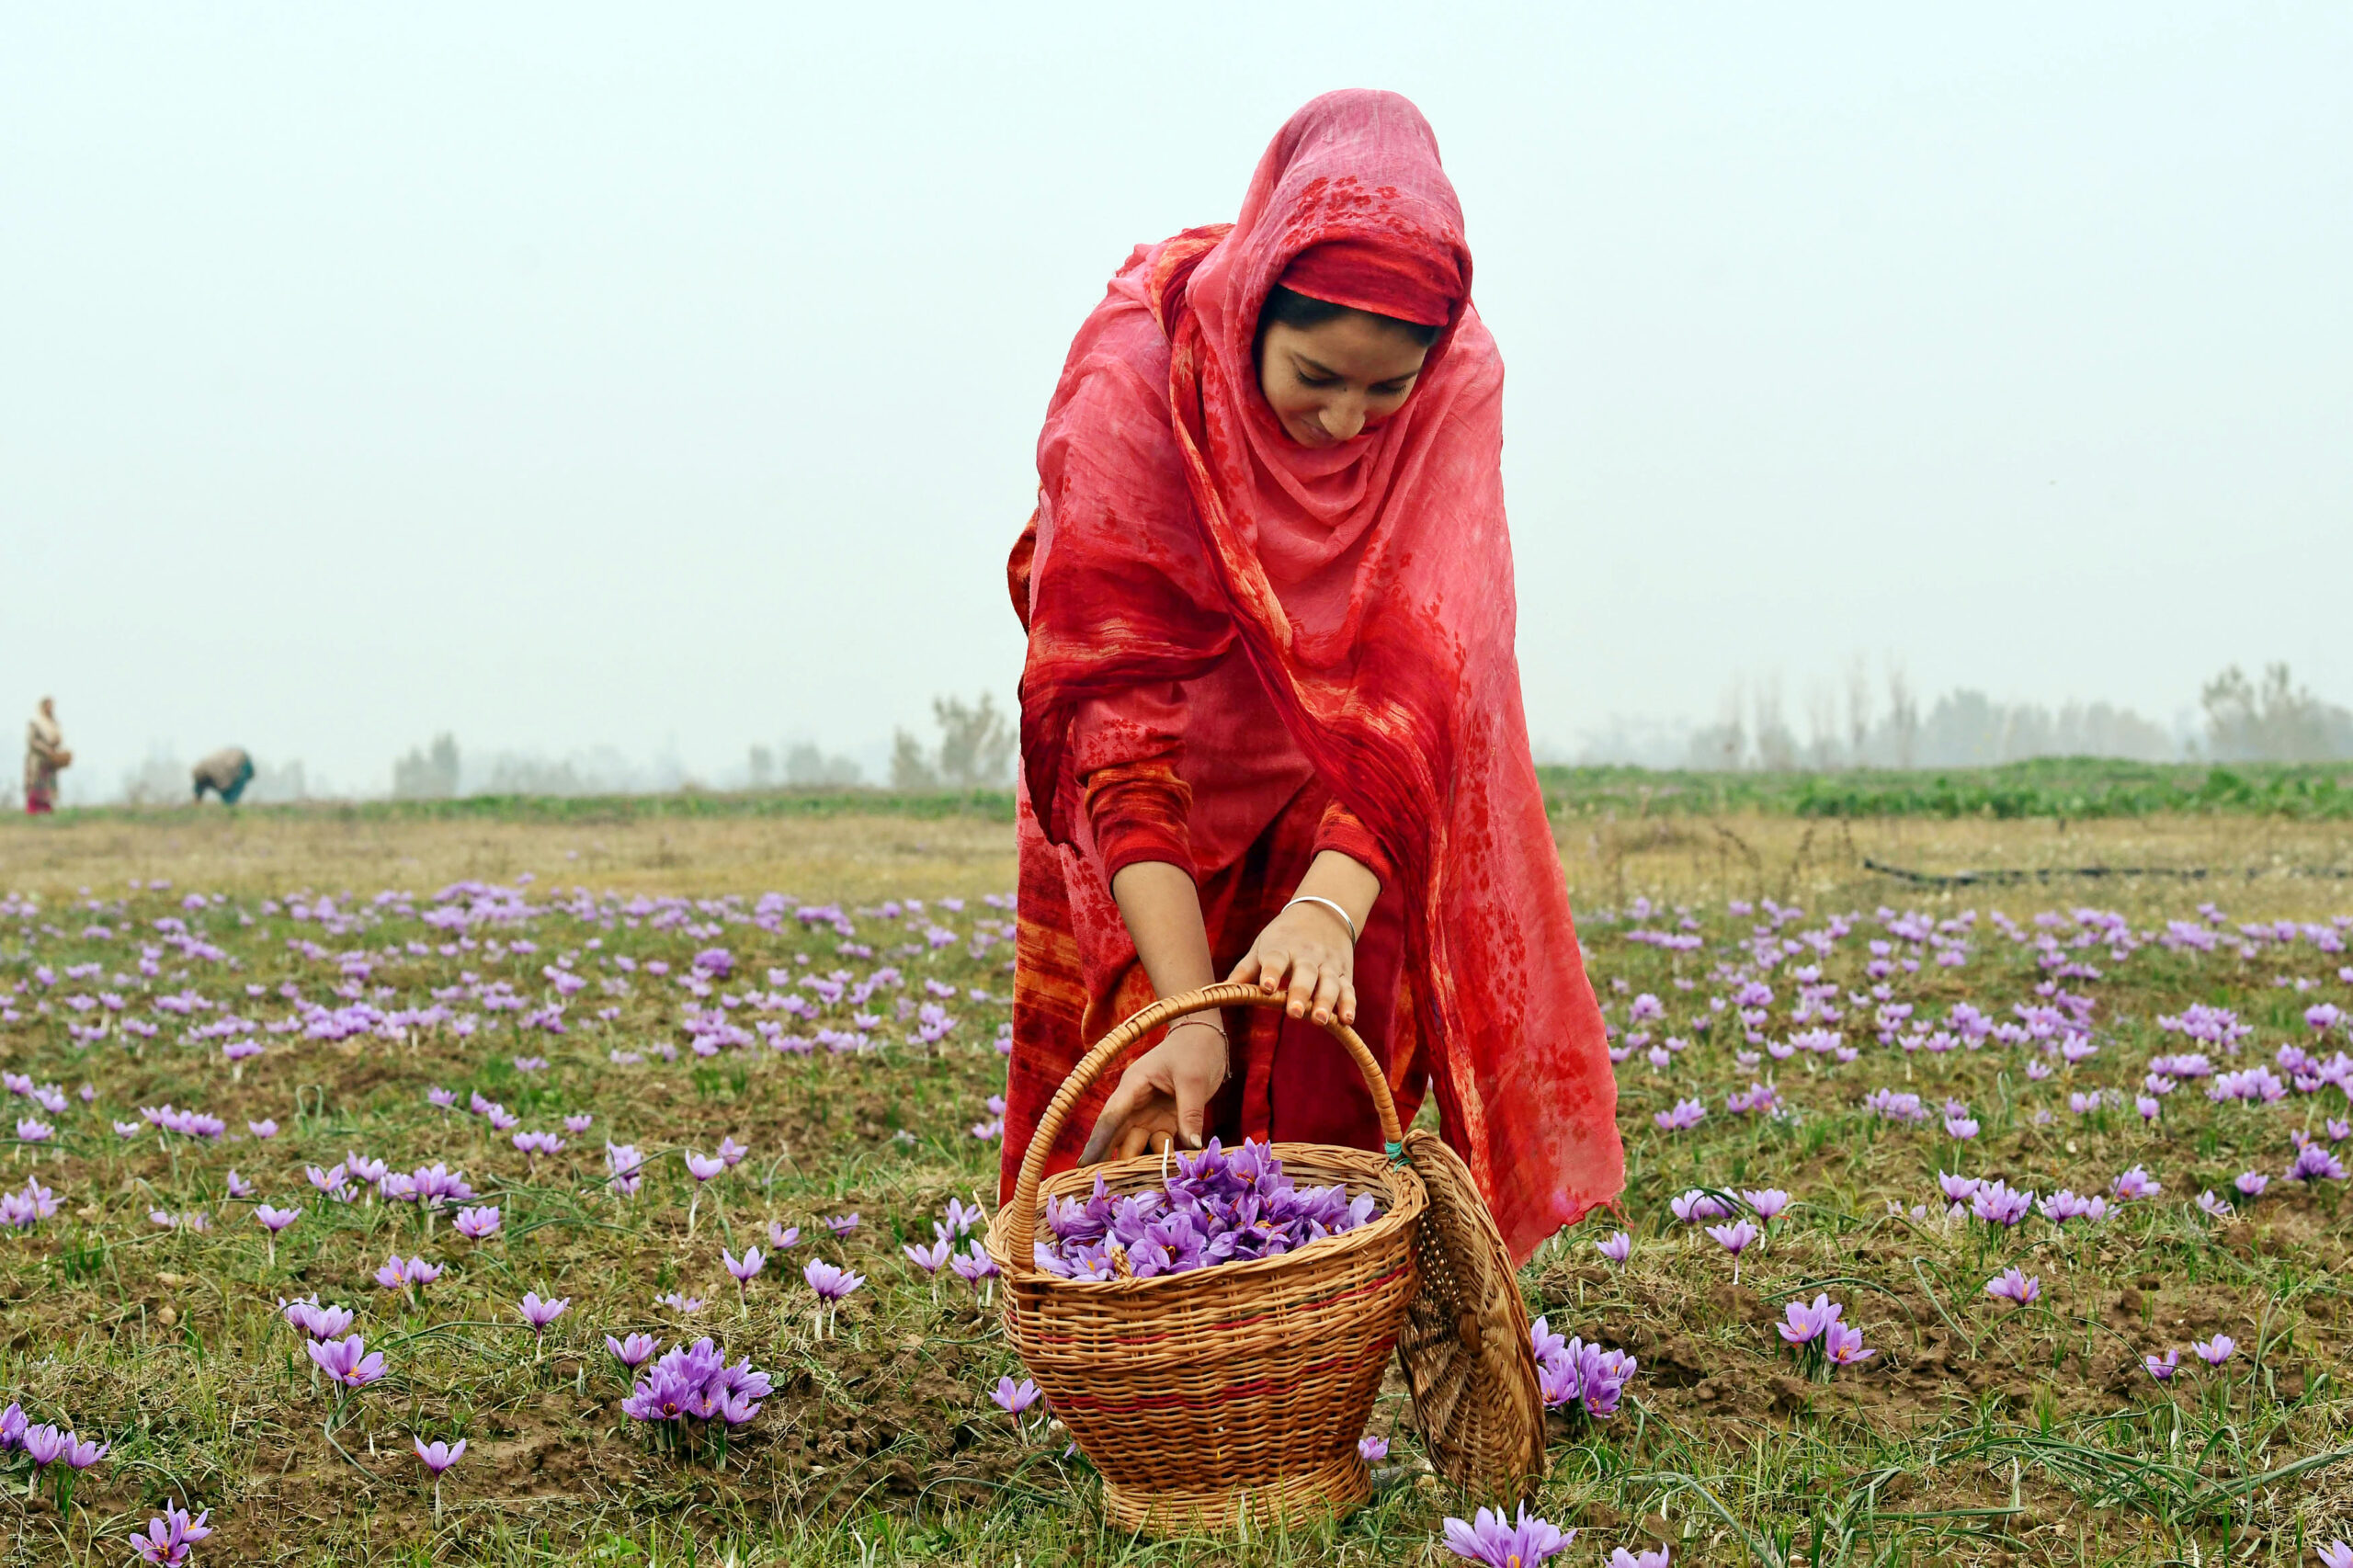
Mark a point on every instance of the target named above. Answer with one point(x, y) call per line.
point(45, 758)
point(1271, 714)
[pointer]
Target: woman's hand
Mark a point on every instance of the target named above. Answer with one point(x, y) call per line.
point(1163, 1096)
point(1306, 949)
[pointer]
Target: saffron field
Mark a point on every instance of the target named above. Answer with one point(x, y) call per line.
point(511, 1100)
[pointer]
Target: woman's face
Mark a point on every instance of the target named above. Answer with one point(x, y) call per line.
point(1331, 383)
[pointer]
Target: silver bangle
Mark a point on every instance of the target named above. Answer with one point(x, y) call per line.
point(1311, 898)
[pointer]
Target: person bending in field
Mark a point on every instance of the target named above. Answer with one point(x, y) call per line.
point(45, 758)
point(226, 773)
point(1270, 715)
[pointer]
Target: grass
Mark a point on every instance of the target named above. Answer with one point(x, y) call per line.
point(1979, 1434)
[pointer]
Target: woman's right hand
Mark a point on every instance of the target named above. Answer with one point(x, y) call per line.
point(1164, 1097)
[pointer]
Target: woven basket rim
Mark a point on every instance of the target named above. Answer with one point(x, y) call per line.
point(1408, 1199)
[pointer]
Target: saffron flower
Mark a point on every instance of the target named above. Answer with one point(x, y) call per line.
point(438, 1457)
point(781, 1235)
point(1571, 1372)
point(2335, 1554)
point(841, 1224)
point(168, 1537)
point(2162, 1368)
point(2134, 1183)
point(1767, 1205)
point(539, 1313)
point(1014, 1398)
point(634, 1351)
point(1694, 1205)
point(318, 1321)
point(1372, 1449)
point(1685, 1114)
point(2315, 1162)
point(2251, 1183)
point(348, 1361)
point(743, 1267)
point(930, 1259)
point(1961, 1127)
point(695, 1384)
point(702, 1167)
point(1617, 1247)
point(1491, 1539)
point(2215, 1351)
point(1995, 1203)
point(2012, 1285)
point(1621, 1557)
point(1736, 1239)
point(44, 1445)
point(477, 1225)
point(274, 1219)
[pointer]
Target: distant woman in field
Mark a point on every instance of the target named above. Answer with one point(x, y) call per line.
point(1271, 714)
point(45, 758)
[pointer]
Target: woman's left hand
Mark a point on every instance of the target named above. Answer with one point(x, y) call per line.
point(1306, 949)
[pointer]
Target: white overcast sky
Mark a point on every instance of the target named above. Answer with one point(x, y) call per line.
point(668, 377)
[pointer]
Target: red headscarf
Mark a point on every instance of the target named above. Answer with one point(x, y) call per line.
point(1371, 585)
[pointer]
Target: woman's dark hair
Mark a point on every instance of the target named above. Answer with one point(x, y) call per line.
point(1300, 311)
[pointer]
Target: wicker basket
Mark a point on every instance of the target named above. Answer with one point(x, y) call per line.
point(1223, 1393)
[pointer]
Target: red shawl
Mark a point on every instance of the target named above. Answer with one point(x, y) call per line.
point(1370, 584)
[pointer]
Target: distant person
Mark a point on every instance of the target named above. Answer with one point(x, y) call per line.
point(1271, 726)
point(45, 758)
point(226, 773)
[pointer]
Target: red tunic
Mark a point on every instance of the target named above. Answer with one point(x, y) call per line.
point(1230, 634)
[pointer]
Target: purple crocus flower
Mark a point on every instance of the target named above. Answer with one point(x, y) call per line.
point(702, 1167)
point(168, 1537)
point(348, 1361)
point(2215, 1351)
point(1014, 1398)
point(2015, 1286)
point(841, 1224)
point(539, 1313)
point(930, 1259)
point(1685, 1114)
point(477, 1225)
point(580, 1123)
point(12, 1427)
point(81, 1453)
point(266, 1127)
point(1617, 1247)
point(1996, 1203)
point(2335, 1554)
point(438, 1457)
point(634, 1351)
point(743, 1267)
point(2162, 1368)
point(276, 1219)
point(1804, 1324)
point(1735, 1238)
point(1767, 1205)
point(2135, 1183)
point(1695, 1206)
point(2315, 1162)
point(781, 1235)
point(1844, 1345)
point(43, 1445)
point(2251, 1183)
point(831, 1284)
point(1372, 1449)
point(1497, 1543)
point(1646, 1558)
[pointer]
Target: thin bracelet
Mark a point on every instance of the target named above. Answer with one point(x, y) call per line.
point(1311, 898)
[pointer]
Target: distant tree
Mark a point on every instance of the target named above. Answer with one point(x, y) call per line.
point(806, 767)
point(975, 743)
point(1902, 714)
point(910, 768)
point(429, 775)
point(763, 768)
point(2276, 720)
point(976, 749)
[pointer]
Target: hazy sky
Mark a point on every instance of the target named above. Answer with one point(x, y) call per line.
point(670, 378)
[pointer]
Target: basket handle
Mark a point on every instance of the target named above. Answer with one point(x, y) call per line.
point(1021, 1214)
